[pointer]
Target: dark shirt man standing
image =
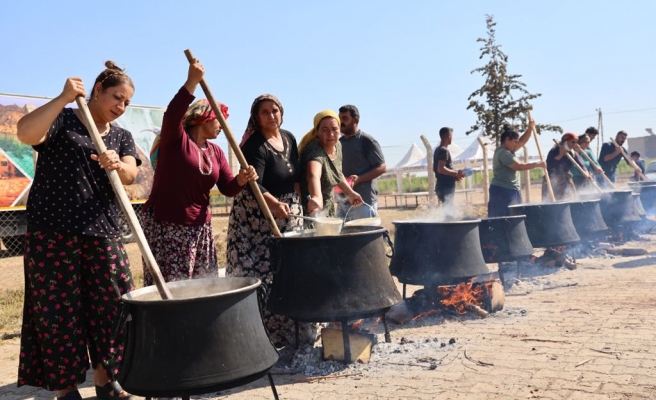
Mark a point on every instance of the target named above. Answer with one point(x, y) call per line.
point(635, 156)
point(362, 163)
point(446, 176)
point(610, 155)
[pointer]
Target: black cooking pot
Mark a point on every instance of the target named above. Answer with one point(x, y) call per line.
point(437, 253)
point(648, 198)
point(548, 224)
point(587, 218)
point(637, 186)
point(332, 278)
point(504, 239)
point(617, 207)
point(638, 205)
point(209, 337)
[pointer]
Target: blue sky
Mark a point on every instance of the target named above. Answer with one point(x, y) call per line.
point(406, 65)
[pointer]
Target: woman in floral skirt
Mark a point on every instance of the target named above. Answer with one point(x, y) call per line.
point(76, 267)
point(274, 155)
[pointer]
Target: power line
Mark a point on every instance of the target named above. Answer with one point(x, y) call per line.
point(610, 112)
point(629, 111)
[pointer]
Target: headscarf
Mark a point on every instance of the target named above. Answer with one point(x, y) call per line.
point(198, 113)
point(569, 136)
point(312, 133)
point(253, 126)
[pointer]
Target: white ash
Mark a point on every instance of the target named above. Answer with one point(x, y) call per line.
point(526, 277)
point(404, 350)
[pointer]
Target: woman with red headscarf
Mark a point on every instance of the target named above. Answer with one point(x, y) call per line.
point(176, 218)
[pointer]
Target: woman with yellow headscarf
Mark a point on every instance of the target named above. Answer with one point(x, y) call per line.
point(321, 166)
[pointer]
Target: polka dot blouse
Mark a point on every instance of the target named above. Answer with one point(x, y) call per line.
point(70, 192)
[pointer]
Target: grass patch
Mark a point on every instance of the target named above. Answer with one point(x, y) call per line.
point(137, 277)
point(11, 310)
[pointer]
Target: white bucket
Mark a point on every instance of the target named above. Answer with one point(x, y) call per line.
point(328, 226)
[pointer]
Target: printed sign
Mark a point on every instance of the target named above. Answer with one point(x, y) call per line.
point(17, 160)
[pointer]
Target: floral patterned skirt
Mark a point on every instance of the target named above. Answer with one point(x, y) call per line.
point(73, 289)
point(248, 253)
point(181, 252)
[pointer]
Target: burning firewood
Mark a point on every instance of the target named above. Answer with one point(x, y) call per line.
point(479, 311)
point(480, 298)
point(556, 257)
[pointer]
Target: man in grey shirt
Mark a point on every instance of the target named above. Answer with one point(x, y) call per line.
point(362, 163)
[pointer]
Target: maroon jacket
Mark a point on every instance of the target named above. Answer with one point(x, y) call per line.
point(181, 194)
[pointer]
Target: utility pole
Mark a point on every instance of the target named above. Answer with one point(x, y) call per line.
point(429, 169)
point(600, 128)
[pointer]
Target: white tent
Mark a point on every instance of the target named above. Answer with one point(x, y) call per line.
point(454, 149)
point(415, 160)
point(411, 157)
point(474, 153)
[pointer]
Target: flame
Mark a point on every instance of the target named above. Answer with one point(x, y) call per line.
point(356, 325)
point(460, 296)
point(372, 329)
point(491, 254)
point(426, 313)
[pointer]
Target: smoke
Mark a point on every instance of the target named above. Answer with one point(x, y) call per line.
point(444, 212)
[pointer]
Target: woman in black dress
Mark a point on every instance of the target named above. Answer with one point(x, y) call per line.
point(76, 267)
point(274, 155)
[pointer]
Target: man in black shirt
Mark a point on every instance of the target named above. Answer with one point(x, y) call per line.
point(446, 176)
point(635, 156)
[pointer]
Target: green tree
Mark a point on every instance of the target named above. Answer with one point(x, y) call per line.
point(503, 99)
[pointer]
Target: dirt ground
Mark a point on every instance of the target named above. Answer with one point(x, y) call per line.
point(587, 335)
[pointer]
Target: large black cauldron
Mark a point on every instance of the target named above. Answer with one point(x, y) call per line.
point(647, 190)
point(547, 224)
point(617, 207)
point(648, 198)
point(587, 218)
point(210, 337)
point(332, 278)
point(437, 253)
point(504, 239)
point(637, 202)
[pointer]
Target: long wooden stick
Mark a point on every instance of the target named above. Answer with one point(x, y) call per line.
point(581, 170)
point(486, 173)
point(124, 201)
point(546, 173)
point(608, 181)
point(527, 179)
point(630, 161)
point(432, 198)
point(235, 147)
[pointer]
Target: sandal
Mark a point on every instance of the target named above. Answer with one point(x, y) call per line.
point(105, 392)
point(72, 395)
